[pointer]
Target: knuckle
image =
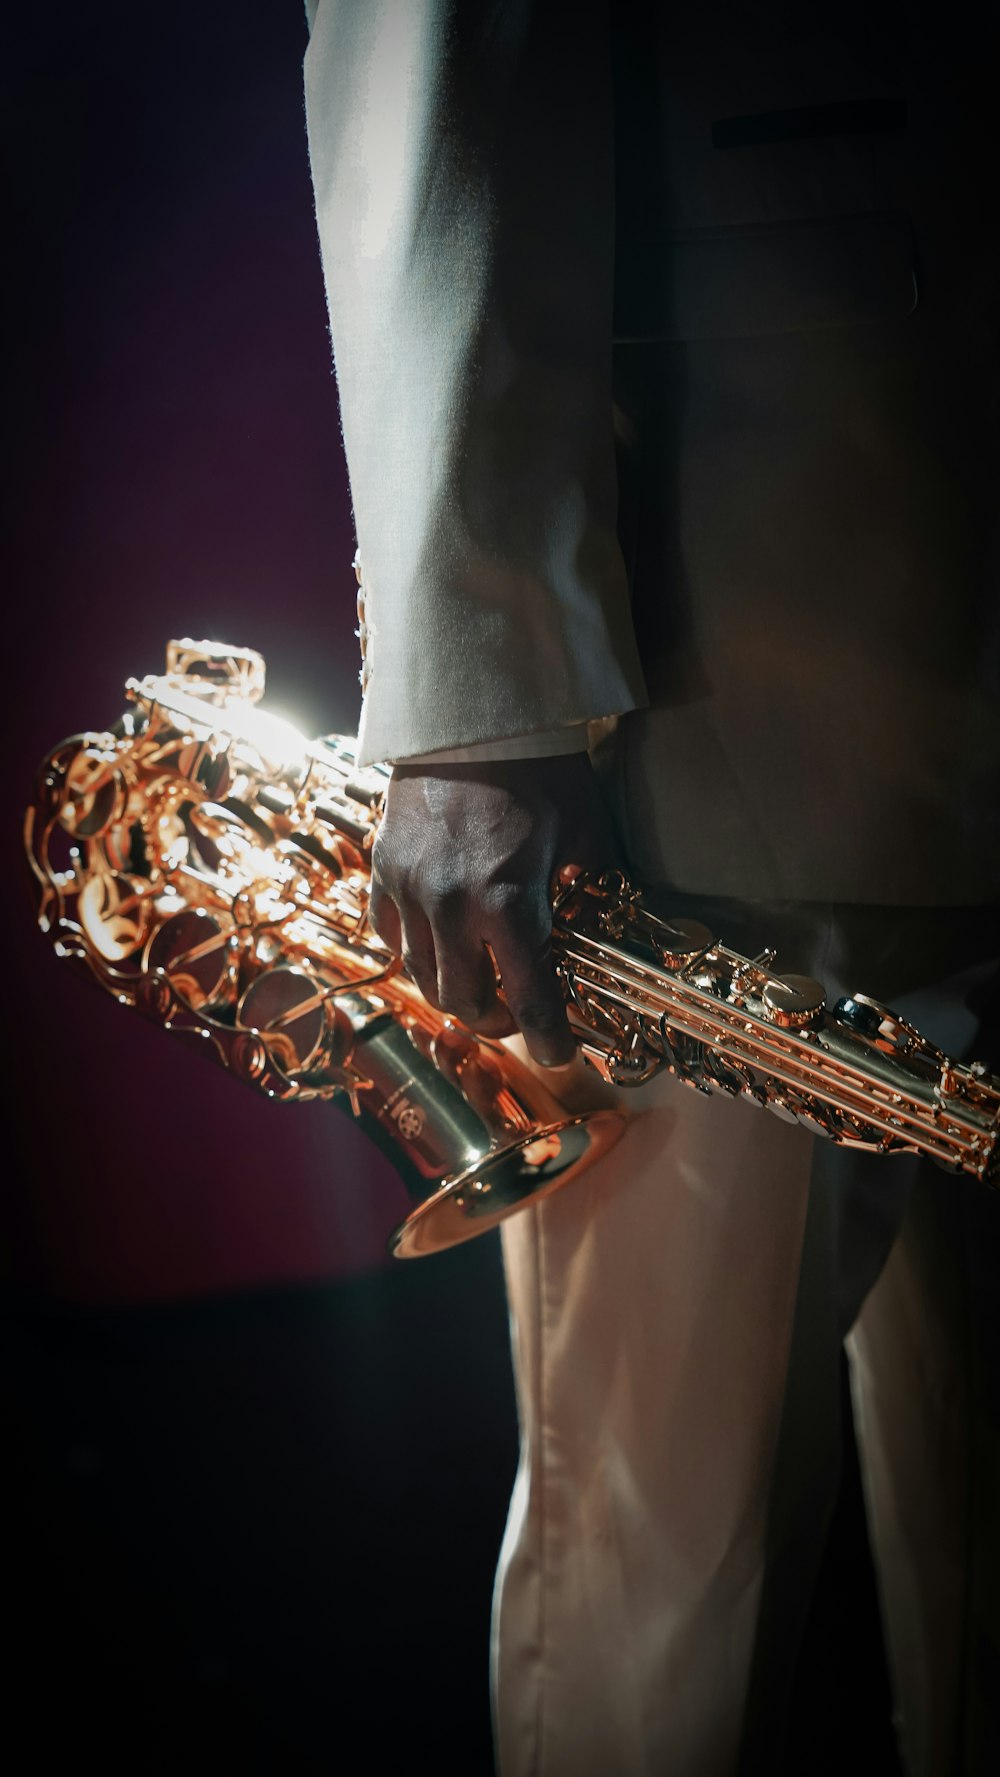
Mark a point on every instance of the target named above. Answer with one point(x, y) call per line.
point(421, 972)
point(469, 1006)
point(464, 987)
point(384, 873)
point(443, 903)
point(503, 902)
point(528, 918)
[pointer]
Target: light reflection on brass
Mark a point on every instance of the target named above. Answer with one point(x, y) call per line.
point(219, 885)
point(207, 865)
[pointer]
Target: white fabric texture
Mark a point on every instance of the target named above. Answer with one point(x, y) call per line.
point(652, 1305)
point(551, 744)
point(471, 316)
point(677, 1317)
point(912, 1409)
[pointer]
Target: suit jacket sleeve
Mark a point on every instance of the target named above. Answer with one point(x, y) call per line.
point(462, 164)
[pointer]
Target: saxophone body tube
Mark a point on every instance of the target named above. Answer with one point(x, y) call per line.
point(208, 865)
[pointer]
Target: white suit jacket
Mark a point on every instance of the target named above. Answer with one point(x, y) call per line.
point(463, 172)
point(669, 335)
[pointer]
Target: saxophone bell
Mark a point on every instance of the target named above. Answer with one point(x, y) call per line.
point(208, 866)
point(217, 882)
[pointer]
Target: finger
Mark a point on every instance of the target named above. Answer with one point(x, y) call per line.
point(467, 983)
point(533, 994)
point(383, 917)
point(419, 954)
point(500, 1022)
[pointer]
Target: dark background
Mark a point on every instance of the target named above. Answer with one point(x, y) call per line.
point(259, 1473)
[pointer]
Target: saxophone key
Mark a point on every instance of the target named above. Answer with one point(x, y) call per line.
point(194, 952)
point(793, 1002)
point(116, 911)
point(295, 1014)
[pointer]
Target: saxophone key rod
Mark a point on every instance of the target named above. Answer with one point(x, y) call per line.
point(201, 805)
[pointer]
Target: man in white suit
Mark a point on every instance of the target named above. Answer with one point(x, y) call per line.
point(667, 357)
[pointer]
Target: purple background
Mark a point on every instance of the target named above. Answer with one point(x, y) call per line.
point(259, 1472)
point(178, 471)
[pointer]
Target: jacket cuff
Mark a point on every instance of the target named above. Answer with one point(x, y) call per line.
point(547, 745)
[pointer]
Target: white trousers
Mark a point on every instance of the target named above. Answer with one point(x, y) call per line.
point(677, 1318)
point(652, 1305)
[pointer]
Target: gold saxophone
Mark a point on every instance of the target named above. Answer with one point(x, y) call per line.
point(208, 866)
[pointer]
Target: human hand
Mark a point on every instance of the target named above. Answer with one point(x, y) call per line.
point(464, 858)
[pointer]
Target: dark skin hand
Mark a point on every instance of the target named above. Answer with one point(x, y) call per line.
point(465, 857)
